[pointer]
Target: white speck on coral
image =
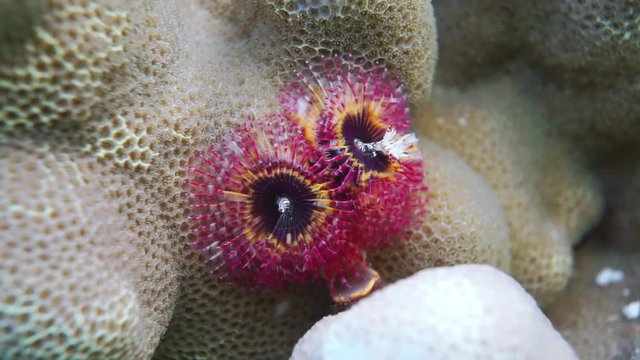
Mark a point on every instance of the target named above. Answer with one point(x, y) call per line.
point(632, 310)
point(462, 121)
point(626, 292)
point(608, 276)
point(282, 307)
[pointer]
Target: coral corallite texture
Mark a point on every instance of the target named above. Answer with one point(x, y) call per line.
point(64, 70)
point(588, 37)
point(464, 222)
point(499, 133)
point(76, 281)
point(398, 34)
point(19, 18)
point(586, 51)
point(591, 47)
point(473, 36)
point(135, 88)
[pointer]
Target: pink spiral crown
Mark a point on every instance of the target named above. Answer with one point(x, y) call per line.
point(262, 211)
point(360, 120)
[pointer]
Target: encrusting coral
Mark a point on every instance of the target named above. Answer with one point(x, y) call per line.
point(585, 51)
point(600, 117)
point(471, 38)
point(75, 279)
point(139, 87)
point(503, 135)
point(65, 70)
point(582, 57)
point(18, 24)
point(460, 312)
point(583, 38)
point(590, 48)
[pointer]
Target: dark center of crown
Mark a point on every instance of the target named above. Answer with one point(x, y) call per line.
point(359, 133)
point(284, 206)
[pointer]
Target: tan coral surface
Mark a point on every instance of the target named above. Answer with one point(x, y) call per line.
point(64, 70)
point(583, 37)
point(18, 23)
point(473, 37)
point(464, 223)
point(76, 281)
point(103, 102)
point(503, 136)
point(585, 52)
point(398, 34)
point(134, 88)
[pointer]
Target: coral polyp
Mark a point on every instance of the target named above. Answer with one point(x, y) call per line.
point(263, 213)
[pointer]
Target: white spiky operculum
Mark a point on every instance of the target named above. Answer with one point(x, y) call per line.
point(284, 204)
point(392, 144)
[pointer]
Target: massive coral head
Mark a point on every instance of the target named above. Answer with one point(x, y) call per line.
point(262, 212)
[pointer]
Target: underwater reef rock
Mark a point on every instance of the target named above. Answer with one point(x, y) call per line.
point(473, 38)
point(549, 199)
point(103, 103)
point(466, 311)
point(589, 316)
point(621, 223)
point(586, 53)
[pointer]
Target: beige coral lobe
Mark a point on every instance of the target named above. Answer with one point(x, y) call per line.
point(521, 125)
point(503, 135)
point(465, 222)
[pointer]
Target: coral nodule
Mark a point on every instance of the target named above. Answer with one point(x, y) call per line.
point(265, 215)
